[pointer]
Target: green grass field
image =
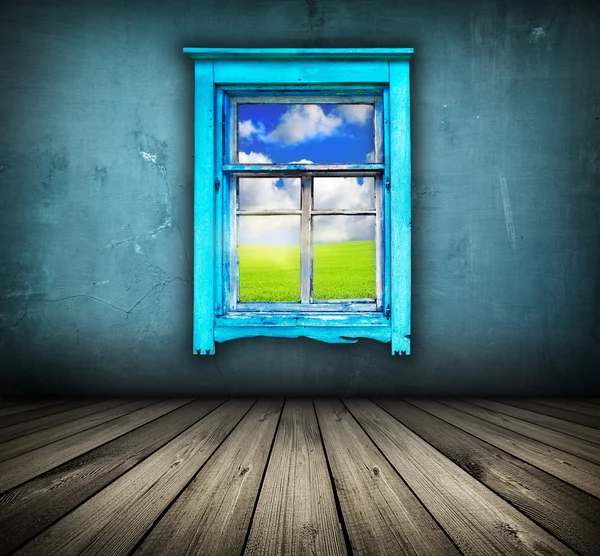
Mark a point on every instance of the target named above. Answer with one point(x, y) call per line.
point(340, 271)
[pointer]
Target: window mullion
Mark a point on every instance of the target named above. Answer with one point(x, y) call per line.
point(306, 255)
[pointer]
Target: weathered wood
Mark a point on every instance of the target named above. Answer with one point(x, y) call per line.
point(19, 469)
point(296, 512)
point(565, 511)
point(301, 72)
point(204, 208)
point(560, 425)
point(298, 310)
point(381, 514)
point(575, 446)
point(116, 519)
point(299, 53)
point(40, 413)
point(21, 429)
point(400, 206)
point(571, 416)
point(331, 334)
point(306, 247)
point(364, 169)
point(27, 443)
point(29, 508)
point(569, 405)
point(26, 406)
point(572, 469)
point(9, 402)
point(478, 521)
point(212, 515)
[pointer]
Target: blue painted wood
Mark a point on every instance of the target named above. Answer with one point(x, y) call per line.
point(213, 316)
point(329, 320)
point(299, 53)
point(341, 334)
point(220, 205)
point(204, 210)
point(300, 72)
point(400, 201)
point(291, 168)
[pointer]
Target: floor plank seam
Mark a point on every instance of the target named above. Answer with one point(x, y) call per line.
point(399, 474)
point(147, 533)
point(262, 479)
point(513, 455)
point(338, 506)
point(499, 494)
point(101, 489)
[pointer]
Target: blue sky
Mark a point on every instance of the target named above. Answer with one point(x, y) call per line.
point(323, 134)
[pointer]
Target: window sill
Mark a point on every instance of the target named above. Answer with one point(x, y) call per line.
point(326, 327)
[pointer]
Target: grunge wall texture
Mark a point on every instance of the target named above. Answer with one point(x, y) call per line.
point(96, 186)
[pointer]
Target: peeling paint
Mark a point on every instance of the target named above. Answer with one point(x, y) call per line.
point(148, 156)
point(96, 284)
point(138, 249)
point(538, 33)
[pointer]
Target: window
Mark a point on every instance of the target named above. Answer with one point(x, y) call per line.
point(302, 195)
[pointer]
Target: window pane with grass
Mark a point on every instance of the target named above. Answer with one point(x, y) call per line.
point(338, 193)
point(343, 257)
point(306, 133)
point(269, 193)
point(269, 258)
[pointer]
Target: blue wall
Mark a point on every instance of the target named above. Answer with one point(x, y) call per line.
point(96, 189)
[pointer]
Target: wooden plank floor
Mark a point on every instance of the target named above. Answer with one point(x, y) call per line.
point(300, 477)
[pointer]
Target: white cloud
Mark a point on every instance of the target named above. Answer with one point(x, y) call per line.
point(355, 113)
point(302, 122)
point(253, 158)
point(371, 156)
point(330, 229)
point(343, 193)
point(247, 128)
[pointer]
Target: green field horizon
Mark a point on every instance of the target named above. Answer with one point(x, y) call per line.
point(342, 270)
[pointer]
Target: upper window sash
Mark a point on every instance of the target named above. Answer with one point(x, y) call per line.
point(230, 126)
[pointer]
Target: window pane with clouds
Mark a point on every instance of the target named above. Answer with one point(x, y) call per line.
point(344, 193)
point(269, 258)
point(269, 193)
point(344, 257)
point(317, 133)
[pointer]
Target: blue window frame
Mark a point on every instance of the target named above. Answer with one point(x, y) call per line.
point(226, 80)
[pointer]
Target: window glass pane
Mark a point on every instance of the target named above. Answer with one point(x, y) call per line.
point(343, 257)
point(269, 193)
point(307, 133)
point(344, 193)
point(269, 258)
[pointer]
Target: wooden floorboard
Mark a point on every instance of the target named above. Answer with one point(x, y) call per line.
point(212, 515)
point(569, 405)
point(545, 409)
point(381, 513)
point(300, 477)
point(23, 407)
point(478, 521)
point(572, 469)
point(296, 512)
point(539, 495)
point(565, 442)
point(560, 425)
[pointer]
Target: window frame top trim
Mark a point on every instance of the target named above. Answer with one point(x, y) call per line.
point(401, 54)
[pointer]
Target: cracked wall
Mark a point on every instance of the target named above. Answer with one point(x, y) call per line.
point(96, 175)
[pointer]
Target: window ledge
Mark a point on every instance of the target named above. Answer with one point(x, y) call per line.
point(325, 327)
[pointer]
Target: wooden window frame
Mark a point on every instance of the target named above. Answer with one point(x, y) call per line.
point(222, 76)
